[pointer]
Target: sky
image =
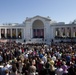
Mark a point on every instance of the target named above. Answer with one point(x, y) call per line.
point(16, 11)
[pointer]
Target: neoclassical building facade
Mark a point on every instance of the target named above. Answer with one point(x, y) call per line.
point(38, 29)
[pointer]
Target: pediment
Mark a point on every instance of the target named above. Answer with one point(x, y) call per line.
point(46, 18)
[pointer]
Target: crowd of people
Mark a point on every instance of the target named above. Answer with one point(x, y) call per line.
point(37, 59)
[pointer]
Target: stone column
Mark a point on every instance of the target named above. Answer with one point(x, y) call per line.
point(24, 33)
point(55, 32)
point(60, 33)
point(72, 32)
point(0, 33)
point(45, 34)
point(11, 33)
point(5, 32)
point(65, 32)
point(30, 33)
point(16, 33)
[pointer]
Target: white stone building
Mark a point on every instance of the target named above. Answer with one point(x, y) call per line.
point(38, 29)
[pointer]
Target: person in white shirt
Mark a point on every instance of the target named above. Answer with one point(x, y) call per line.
point(59, 71)
point(54, 58)
point(44, 58)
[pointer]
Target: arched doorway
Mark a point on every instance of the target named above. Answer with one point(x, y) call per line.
point(38, 29)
